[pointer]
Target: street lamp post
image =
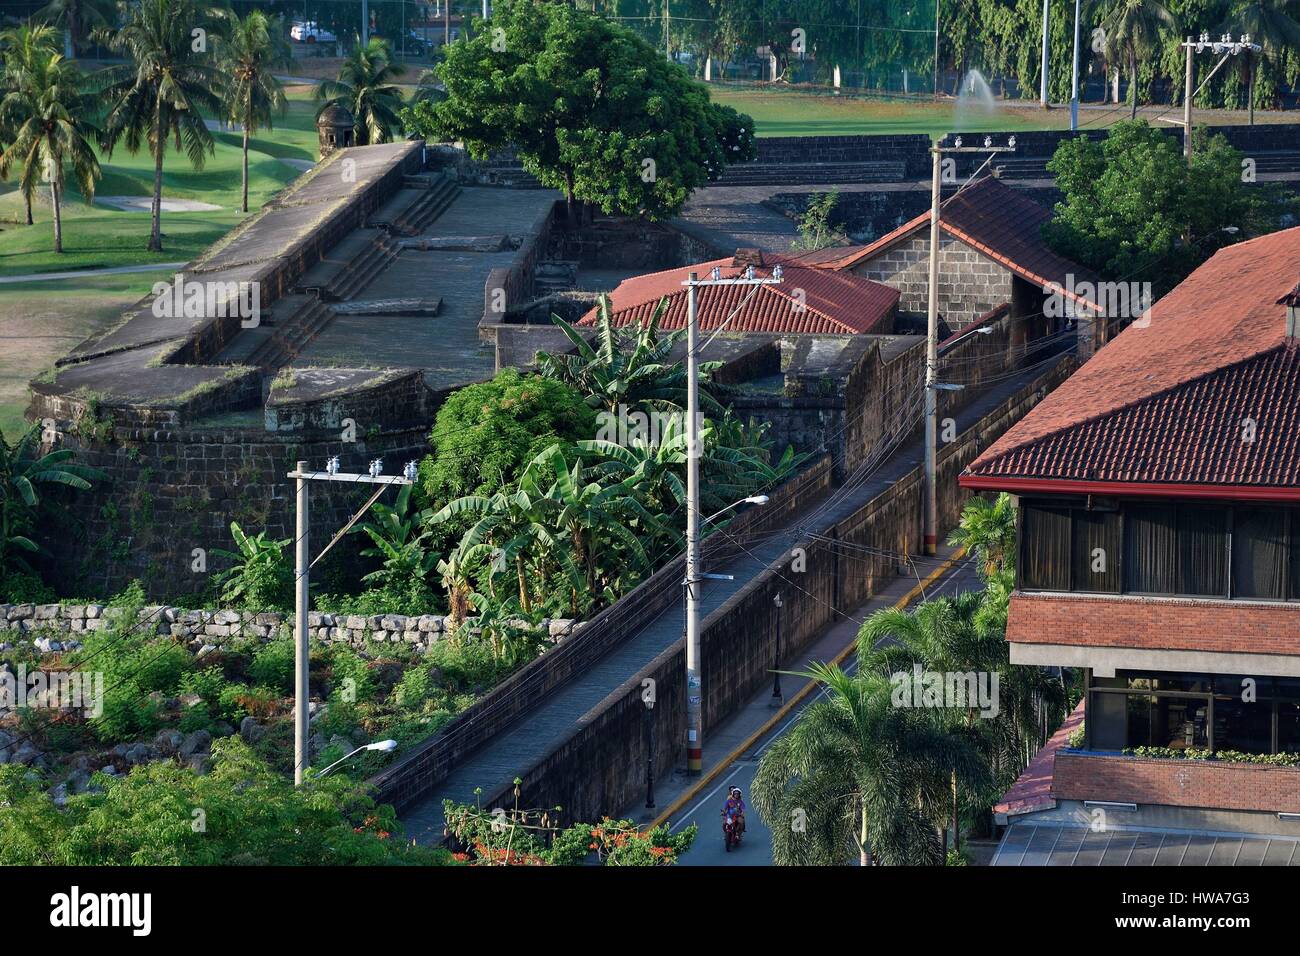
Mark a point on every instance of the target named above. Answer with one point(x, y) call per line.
point(777, 697)
point(694, 683)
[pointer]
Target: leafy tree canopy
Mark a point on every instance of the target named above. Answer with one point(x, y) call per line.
point(485, 434)
point(590, 107)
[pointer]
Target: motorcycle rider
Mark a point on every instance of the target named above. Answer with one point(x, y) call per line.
point(734, 809)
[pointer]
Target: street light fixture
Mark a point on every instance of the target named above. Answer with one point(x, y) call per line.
point(382, 746)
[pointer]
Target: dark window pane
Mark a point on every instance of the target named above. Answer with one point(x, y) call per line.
point(1046, 563)
point(1288, 728)
point(1258, 552)
point(1106, 718)
point(1150, 551)
point(1243, 725)
point(1203, 553)
point(1295, 555)
point(1139, 720)
point(1096, 551)
point(1190, 683)
point(1174, 724)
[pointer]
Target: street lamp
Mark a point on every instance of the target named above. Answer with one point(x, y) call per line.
point(777, 697)
point(382, 746)
point(649, 701)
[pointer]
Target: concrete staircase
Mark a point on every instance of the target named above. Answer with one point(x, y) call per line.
point(289, 327)
point(796, 174)
point(349, 266)
point(420, 201)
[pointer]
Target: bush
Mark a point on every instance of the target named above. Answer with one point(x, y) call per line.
point(21, 587)
point(261, 578)
point(273, 665)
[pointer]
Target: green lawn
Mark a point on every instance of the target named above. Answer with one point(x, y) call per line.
point(40, 321)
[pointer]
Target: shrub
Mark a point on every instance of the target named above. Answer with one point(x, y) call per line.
point(273, 664)
point(261, 578)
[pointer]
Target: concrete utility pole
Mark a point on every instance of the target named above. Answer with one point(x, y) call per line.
point(365, 22)
point(1225, 46)
point(1042, 89)
point(302, 574)
point(1074, 75)
point(932, 385)
point(694, 682)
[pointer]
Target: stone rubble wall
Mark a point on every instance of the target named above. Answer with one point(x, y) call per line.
point(212, 627)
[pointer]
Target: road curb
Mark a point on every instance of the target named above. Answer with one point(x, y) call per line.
point(694, 791)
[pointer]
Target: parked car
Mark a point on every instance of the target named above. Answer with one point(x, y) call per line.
point(310, 32)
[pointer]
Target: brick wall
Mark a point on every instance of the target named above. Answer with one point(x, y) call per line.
point(969, 284)
point(1154, 623)
point(1177, 783)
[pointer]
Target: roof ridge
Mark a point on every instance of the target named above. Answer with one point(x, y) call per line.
point(1133, 403)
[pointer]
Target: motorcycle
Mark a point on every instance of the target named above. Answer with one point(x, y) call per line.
point(732, 829)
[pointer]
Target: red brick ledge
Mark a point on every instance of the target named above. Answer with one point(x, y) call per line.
point(1175, 782)
point(1154, 623)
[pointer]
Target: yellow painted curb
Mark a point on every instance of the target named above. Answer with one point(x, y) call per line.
point(790, 704)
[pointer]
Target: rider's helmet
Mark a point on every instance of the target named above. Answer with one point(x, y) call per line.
point(735, 791)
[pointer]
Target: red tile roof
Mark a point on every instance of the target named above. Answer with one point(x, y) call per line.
point(1168, 400)
point(810, 300)
point(998, 221)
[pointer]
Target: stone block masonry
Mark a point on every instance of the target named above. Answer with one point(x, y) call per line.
point(970, 284)
point(51, 624)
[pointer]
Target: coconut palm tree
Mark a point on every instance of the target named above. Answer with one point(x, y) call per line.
point(1133, 30)
point(50, 96)
point(23, 47)
point(987, 530)
point(364, 87)
point(1271, 24)
point(857, 774)
point(79, 18)
point(249, 54)
point(23, 469)
point(162, 93)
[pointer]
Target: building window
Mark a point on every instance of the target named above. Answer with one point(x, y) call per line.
point(1193, 550)
point(1257, 715)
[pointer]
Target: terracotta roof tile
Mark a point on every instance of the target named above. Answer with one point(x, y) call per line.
point(1168, 399)
point(810, 300)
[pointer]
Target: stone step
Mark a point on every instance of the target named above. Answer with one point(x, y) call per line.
point(793, 174)
point(286, 341)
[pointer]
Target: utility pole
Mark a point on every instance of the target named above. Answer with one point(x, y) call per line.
point(694, 681)
point(446, 22)
point(668, 50)
point(936, 48)
point(1224, 46)
point(302, 573)
point(932, 385)
point(777, 697)
point(1042, 89)
point(1074, 75)
point(365, 22)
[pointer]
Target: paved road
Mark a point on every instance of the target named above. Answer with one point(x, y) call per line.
point(111, 271)
point(705, 808)
point(511, 754)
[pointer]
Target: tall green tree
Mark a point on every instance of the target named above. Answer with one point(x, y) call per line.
point(55, 133)
point(1271, 24)
point(1134, 30)
point(22, 47)
point(365, 87)
point(254, 48)
point(161, 94)
point(987, 530)
point(589, 107)
point(79, 18)
point(856, 775)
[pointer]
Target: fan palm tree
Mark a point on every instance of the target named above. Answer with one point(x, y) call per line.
point(23, 469)
point(78, 17)
point(1133, 30)
point(162, 93)
point(50, 96)
point(364, 87)
point(856, 773)
point(987, 530)
point(253, 49)
point(1269, 23)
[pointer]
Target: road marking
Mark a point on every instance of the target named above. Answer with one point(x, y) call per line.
point(785, 711)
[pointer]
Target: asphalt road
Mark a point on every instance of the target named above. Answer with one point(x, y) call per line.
point(706, 809)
